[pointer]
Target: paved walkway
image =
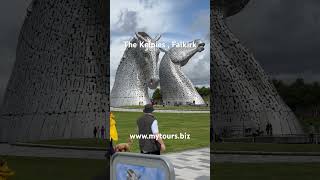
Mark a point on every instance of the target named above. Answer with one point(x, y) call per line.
point(6, 149)
point(237, 158)
point(193, 164)
point(160, 111)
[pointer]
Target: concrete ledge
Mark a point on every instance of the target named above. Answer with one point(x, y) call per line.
point(267, 153)
point(301, 139)
point(159, 110)
point(60, 147)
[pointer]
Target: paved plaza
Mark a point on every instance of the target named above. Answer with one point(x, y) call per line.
point(237, 158)
point(192, 164)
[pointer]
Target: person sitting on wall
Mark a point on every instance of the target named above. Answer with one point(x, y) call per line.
point(148, 125)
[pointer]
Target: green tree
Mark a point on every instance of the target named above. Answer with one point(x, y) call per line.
point(204, 93)
point(157, 95)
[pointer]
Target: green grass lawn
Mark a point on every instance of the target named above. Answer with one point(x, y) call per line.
point(266, 147)
point(267, 171)
point(197, 125)
point(181, 108)
point(55, 168)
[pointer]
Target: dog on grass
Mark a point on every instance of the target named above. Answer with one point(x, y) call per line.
point(124, 147)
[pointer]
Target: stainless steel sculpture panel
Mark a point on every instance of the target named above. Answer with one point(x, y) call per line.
point(59, 86)
point(243, 98)
point(175, 86)
point(137, 71)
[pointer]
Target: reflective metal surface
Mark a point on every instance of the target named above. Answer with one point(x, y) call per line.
point(175, 86)
point(137, 71)
point(59, 83)
point(244, 99)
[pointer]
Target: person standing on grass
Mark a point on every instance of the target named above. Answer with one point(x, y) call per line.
point(148, 125)
point(98, 132)
point(311, 133)
point(102, 132)
point(269, 129)
point(95, 131)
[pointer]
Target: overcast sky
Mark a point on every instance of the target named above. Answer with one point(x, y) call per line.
point(12, 13)
point(183, 20)
point(284, 35)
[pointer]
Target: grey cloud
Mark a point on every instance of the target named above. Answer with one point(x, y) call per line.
point(148, 4)
point(127, 22)
point(12, 14)
point(199, 71)
point(201, 22)
point(283, 35)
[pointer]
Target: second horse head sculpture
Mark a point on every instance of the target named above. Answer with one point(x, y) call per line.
point(176, 88)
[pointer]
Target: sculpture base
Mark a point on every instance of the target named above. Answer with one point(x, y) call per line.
point(131, 101)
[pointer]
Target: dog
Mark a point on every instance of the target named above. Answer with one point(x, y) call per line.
point(124, 147)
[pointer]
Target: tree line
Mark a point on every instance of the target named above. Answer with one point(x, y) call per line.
point(203, 91)
point(303, 98)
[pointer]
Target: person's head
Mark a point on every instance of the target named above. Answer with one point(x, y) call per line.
point(148, 108)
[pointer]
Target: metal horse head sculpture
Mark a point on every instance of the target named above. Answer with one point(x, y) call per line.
point(137, 71)
point(150, 58)
point(175, 85)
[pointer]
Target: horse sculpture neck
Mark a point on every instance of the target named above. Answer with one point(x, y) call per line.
point(130, 87)
point(241, 89)
point(136, 73)
point(176, 88)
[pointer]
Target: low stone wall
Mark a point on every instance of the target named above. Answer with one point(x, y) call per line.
point(301, 139)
